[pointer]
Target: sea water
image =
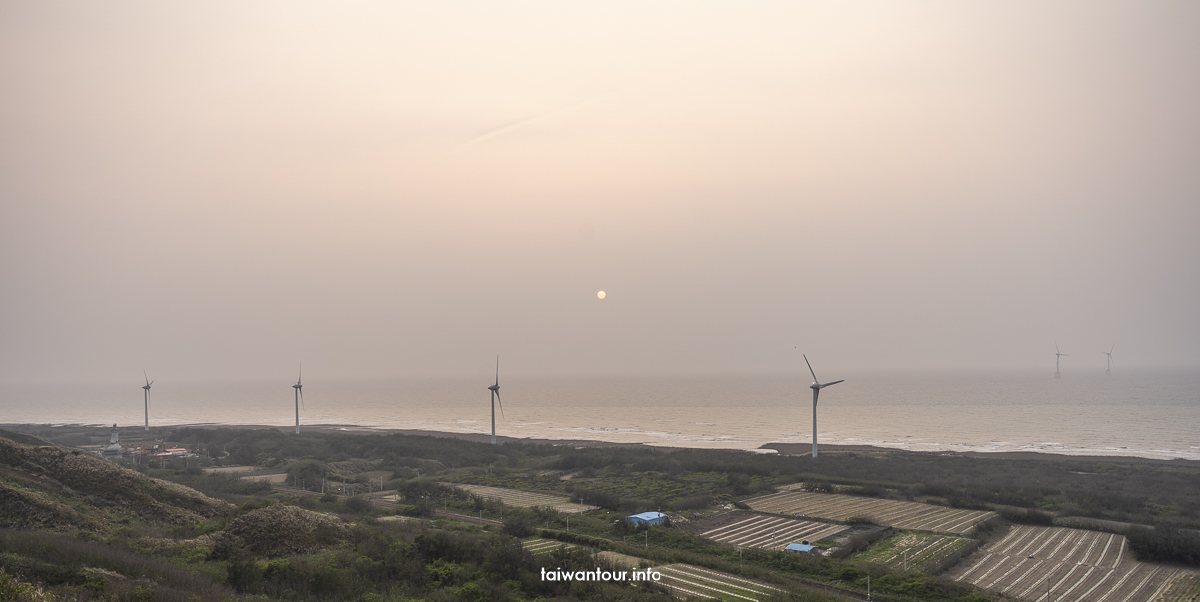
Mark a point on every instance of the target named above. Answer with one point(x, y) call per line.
point(1149, 414)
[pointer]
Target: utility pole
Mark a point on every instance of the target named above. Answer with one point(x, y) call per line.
point(647, 539)
point(868, 588)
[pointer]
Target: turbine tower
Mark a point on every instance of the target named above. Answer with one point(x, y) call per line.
point(1108, 370)
point(495, 389)
point(299, 395)
point(816, 389)
point(1057, 355)
point(146, 390)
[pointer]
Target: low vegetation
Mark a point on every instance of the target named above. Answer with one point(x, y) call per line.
point(76, 527)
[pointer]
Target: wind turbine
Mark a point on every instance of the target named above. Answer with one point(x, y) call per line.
point(1108, 370)
point(495, 389)
point(299, 396)
point(146, 390)
point(1057, 355)
point(816, 388)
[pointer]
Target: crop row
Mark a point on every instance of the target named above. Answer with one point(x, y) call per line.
point(913, 550)
point(1185, 588)
point(525, 499)
point(537, 545)
point(1065, 565)
point(772, 532)
point(1063, 545)
point(687, 581)
point(893, 513)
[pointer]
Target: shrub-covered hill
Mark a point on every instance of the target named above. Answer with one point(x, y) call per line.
point(279, 530)
point(48, 486)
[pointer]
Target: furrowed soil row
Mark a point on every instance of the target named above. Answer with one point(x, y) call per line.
point(538, 545)
point(763, 531)
point(689, 581)
point(902, 515)
point(1072, 564)
point(1185, 588)
point(1019, 543)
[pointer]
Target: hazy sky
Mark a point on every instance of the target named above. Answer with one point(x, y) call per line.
point(385, 189)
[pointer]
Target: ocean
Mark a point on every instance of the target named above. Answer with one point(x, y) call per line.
point(1147, 414)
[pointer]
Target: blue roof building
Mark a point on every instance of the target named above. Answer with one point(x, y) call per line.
point(646, 518)
point(801, 548)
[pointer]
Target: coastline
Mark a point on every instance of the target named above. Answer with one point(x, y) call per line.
point(782, 448)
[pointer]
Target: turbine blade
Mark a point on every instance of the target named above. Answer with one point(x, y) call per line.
point(302, 399)
point(300, 374)
point(497, 369)
point(149, 383)
point(1055, 346)
point(832, 383)
point(1111, 348)
point(147, 377)
point(810, 370)
point(500, 402)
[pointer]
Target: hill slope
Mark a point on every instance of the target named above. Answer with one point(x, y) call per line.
point(48, 486)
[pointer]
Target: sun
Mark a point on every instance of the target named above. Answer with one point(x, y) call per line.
point(600, 295)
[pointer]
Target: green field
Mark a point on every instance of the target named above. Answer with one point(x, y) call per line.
point(914, 551)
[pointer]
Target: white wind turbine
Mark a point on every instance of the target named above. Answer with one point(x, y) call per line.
point(1057, 355)
point(146, 390)
point(816, 389)
point(495, 389)
point(1108, 370)
point(299, 395)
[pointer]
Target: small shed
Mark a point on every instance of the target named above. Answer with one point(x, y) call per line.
point(800, 548)
point(646, 518)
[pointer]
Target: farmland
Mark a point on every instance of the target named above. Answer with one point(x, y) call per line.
point(1184, 589)
point(769, 532)
point(913, 550)
point(902, 515)
point(1074, 565)
point(524, 499)
point(538, 545)
point(687, 581)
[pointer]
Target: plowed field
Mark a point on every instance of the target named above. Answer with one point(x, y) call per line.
point(687, 581)
point(1074, 565)
point(902, 515)
point(764, 531)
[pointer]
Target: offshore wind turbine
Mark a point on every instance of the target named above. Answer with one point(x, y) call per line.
point(299, 395)
point(146, 391)
point(1057, 355)
point(495, 389)
point(1108, 370)
point(816, 387)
